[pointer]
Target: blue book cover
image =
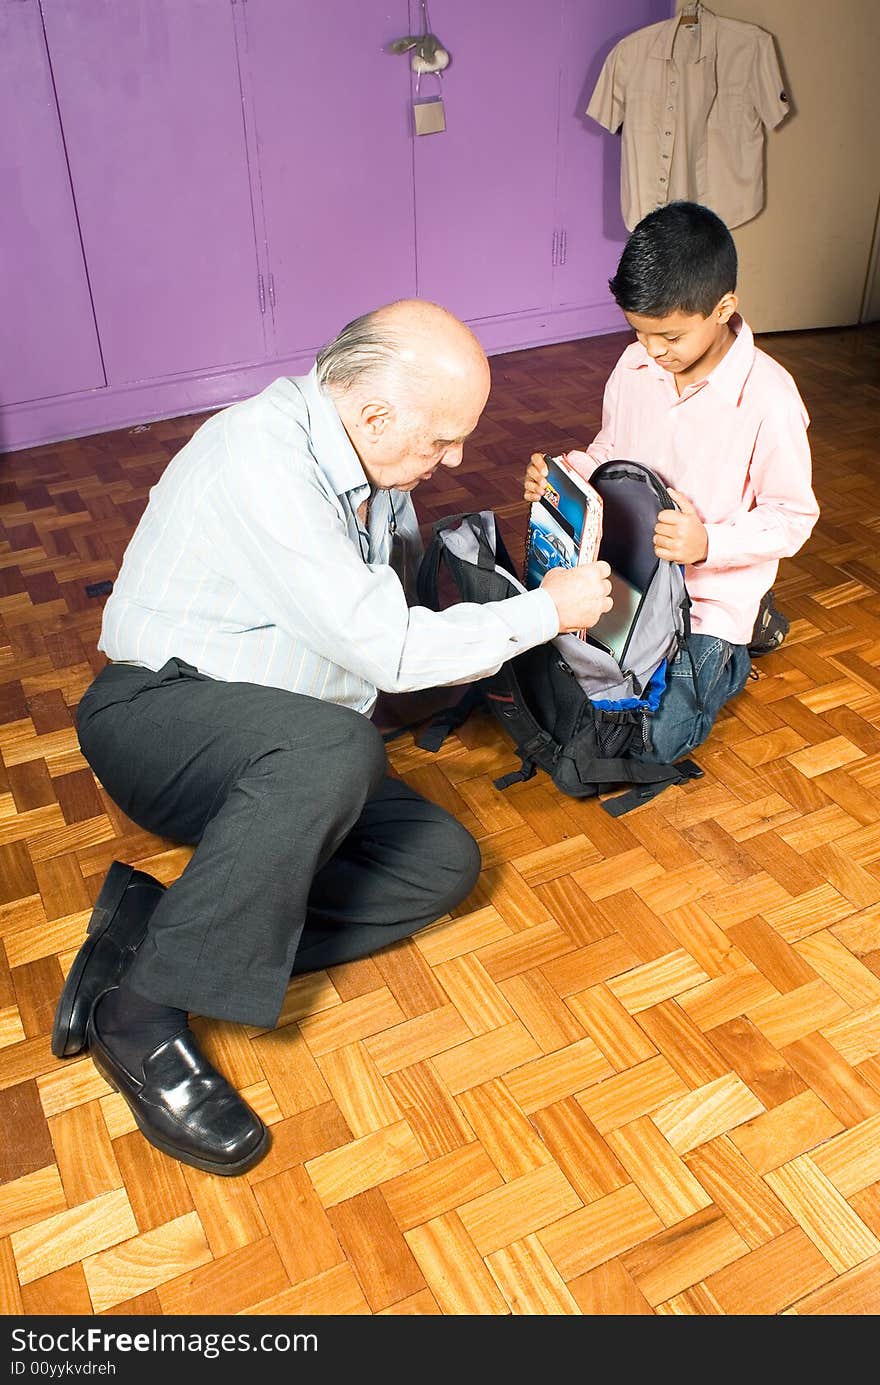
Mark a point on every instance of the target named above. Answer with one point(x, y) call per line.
point(565, 525)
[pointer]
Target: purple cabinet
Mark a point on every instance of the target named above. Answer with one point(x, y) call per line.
point(486, 185)
point(589, 228)
point(334, 161)
point(151, 108)
point(48, 342)
point(212, 188)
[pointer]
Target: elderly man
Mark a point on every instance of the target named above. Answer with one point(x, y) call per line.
point(260, 606)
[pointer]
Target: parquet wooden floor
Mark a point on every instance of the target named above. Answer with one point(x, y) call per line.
point(638, 1073)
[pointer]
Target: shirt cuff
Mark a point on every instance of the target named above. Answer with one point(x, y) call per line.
point(581, 462)
point(532, 619)
point(725, 546)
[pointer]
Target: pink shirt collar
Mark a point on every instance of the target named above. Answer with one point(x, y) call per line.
point(728, 377)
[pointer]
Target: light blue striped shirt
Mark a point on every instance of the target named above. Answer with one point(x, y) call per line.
point(250, 563)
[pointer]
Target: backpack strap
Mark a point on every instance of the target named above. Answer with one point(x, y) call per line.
point(427, 593)
point(449, 719)
point(528, 764)
point(681, 773)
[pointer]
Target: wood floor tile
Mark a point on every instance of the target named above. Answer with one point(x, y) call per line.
point(376, 1249)
point(27, 1144)
point(73, 1235)
point(137, 1265)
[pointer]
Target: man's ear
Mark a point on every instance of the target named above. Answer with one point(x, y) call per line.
point(726, 307)
point(375, 416)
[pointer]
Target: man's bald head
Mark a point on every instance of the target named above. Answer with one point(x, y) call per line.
point(409, 381)
point(402, 348)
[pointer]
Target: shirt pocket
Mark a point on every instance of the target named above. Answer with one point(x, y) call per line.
point(734, 109)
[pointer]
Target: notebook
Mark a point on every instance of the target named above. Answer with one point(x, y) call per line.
point(565, 525)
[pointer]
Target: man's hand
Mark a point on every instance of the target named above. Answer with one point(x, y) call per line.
point(581, 594)
point(536, 475)
point(680, 535)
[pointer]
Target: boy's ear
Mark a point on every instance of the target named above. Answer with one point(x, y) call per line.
point(726, 307)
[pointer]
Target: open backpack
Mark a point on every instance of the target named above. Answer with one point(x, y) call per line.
point(571, 707)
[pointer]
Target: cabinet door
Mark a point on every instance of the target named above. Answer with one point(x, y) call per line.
point(335, 161)
point(590, 228)
point(486, 185)
point(150, 104)
point(48, 343)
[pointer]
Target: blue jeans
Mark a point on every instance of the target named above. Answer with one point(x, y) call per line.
point(686, 715)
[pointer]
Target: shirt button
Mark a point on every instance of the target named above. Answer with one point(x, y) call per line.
point(662, 180)
point(669, 108)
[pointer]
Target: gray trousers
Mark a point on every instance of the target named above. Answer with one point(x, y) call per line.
point(307, 852)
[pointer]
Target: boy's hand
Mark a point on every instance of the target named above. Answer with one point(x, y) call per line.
point(536, 475)
point(680, 535)
point(580, 594)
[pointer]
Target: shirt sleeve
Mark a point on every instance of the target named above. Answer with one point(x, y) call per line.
point(771, 98)
point(287, 547)
point(780, 509)
point(607, 101)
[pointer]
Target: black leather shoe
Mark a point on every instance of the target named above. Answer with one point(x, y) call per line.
point(184, 1106)
point(116, 930)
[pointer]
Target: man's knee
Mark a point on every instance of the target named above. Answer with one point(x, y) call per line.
point(471, 864)
point(356, 750)
point(342, 753)
point(458, 865)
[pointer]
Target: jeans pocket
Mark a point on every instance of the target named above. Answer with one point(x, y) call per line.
point(712, 662)
point(703, 658)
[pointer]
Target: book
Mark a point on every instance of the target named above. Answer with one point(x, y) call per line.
point(565, 525)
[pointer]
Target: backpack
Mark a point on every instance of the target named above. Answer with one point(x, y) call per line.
point(571, 708)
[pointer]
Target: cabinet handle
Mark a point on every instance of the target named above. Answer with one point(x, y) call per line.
point(555, 259)
point(262, 293)
point(272, 289)
point(563, 246)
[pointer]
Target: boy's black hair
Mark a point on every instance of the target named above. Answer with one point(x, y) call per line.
point(679, 258)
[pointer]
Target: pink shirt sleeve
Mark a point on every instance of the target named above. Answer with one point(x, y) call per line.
point(779, 507)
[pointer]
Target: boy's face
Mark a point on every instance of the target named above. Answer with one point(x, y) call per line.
point(682, 343)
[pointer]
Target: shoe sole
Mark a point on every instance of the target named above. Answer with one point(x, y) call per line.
point(106, 905)
point(184, 1157)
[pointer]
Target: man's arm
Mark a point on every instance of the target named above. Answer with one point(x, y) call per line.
point(294, 559)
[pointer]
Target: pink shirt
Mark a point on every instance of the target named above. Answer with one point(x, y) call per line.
point(736, 444)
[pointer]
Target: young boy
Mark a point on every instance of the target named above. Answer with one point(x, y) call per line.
point(725, 428)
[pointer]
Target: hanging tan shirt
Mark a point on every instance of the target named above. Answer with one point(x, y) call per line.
point(693, 102)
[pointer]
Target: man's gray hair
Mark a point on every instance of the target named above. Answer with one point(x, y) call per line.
point(365, 347)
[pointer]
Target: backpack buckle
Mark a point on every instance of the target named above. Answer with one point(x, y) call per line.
point(530, 749)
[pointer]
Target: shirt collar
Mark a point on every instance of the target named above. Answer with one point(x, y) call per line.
point(728, 377)
point(330, 442)
point(708, 27)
